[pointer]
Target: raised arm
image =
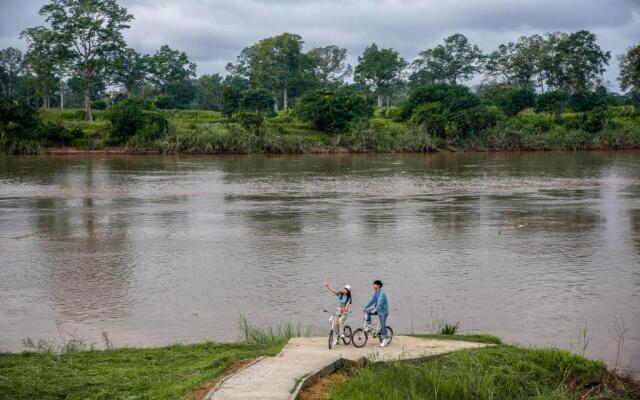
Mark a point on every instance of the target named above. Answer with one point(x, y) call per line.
point(329, 288)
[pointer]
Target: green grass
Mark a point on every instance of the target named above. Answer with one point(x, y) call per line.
point(270, 336)
point(129, 373)
point(495, 373)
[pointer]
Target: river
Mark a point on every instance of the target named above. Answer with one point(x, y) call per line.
point(532, 247)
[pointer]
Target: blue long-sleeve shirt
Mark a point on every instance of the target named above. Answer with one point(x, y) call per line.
point(379, 300)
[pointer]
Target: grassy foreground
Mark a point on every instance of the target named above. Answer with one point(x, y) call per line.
point(172, 372)
point(128, 373)
point(496, 373)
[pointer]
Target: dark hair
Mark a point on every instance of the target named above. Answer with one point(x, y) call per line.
point(378, 282)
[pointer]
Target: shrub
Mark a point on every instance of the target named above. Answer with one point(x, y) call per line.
point(552, 102)
point(230, 101)
point(255, 103)
point(135, 116)
point(99, 105)
point(472, 121)
point(511, 100)
point(452, 97)
point(597, 119)
point(431, 116)
point(586, 101)
point(332, 111)
point(165, 102)
point(18, 125)
point(449, 329)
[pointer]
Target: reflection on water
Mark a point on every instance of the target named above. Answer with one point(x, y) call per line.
point(532, 247)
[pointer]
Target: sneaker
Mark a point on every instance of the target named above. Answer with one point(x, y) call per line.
point(384, 342)
point(342, 336)
point(335, 341)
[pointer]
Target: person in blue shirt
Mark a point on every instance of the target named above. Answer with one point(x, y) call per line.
point(378, 305)
point(344, 302)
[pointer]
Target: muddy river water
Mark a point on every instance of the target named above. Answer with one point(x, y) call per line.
point(532, 247)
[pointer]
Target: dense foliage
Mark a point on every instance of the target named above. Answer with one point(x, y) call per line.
point(332, 111)
point(135, 118)
point(549, 84)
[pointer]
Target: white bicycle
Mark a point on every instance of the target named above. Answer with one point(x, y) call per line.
point(361, 335)
point(334, 330)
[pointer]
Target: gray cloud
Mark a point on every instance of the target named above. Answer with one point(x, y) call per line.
point(213, 31)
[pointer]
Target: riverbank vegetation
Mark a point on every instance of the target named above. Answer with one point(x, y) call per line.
point(77, 371)
point(540, 92)
point(497, 372)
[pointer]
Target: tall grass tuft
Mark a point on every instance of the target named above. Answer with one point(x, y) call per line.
point(449, 329)
point(269, 336)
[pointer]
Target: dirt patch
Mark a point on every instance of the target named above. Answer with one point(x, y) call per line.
point(322, 386)
point(201, 391)
point(605, 386)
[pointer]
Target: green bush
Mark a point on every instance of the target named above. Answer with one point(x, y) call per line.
point(135, 117)
point(99, 105)
point(332, 111)
point(431, 116)
point(597, 119)
point(510, 100)
point(19, 125)
point(587, 101)
point(165, 102)
point(552, 102)
point(452, 97)
point(472, 121)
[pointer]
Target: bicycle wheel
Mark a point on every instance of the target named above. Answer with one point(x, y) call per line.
point(331, 334)
point(359, 338)
point(347, 335)
point(389, 335)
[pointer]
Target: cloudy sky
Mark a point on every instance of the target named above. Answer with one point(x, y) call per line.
point(213, 32)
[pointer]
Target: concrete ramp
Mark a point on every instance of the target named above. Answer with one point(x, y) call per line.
point(305, 359)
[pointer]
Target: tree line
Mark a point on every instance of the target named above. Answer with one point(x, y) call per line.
point(79, 58)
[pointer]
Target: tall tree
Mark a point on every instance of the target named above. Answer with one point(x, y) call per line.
point(209, 92)
point(630, 71)
point(91, 30)
point(574, 62)
point(168, 68)
point(454, 61)
point(130, 70)
point(274, 63)
point(10, 64)
point(517, 64)
point(380, 70)
point(329, 66)
point(40, 60)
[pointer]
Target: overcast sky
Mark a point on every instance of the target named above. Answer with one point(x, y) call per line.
point(213, 32)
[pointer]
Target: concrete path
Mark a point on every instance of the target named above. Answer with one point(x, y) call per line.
point(281, 377)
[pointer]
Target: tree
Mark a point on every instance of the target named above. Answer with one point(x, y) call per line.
point(380, 70)
point(329, 66)
point(91, 31)
point(168, 66)
point(232, 90)
point(209, 92)
point(274, 63)
point(40, 60)
point(518, 63)
point(452, 98)
point(553, 102)
point(332, 111)
point(630, 71)
point(130, 70)
point(573, 62)
point(10, 65)
point(457, 60)
point(510, 99)
point(256, 102)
